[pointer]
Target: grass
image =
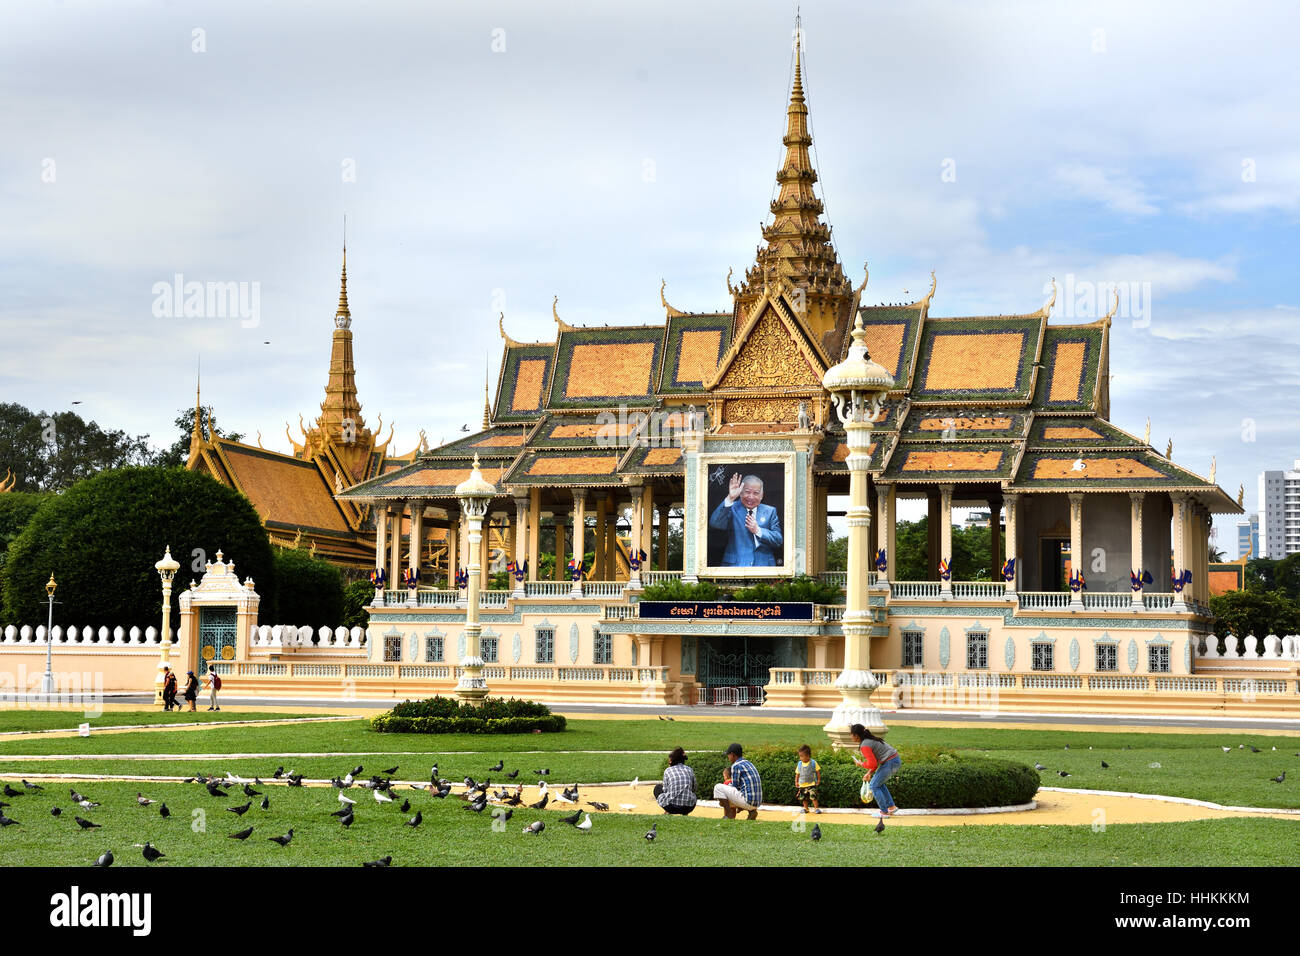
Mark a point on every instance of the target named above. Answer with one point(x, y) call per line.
point(196, 835)
point(40, 719)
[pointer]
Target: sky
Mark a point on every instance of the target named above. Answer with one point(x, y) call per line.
point(491, 156)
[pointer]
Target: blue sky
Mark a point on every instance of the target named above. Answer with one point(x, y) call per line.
point(510, 152)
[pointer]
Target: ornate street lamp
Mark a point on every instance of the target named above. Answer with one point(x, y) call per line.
point(857, 386)
point(474, 493)
point(167, 569)
point(47, 682)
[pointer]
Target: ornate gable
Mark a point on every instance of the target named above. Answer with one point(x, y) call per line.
point(770, 355)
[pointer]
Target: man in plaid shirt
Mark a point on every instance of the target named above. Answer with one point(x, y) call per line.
point(741, 788)
point(677, 792)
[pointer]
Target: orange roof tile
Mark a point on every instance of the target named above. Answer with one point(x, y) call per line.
point(575, 465)
point(425, 477)
point(1094, 468)
point(499, 440)
point(285, 490)
point(1061, 433)
point(965, 424)
point(609, 369)
point(960, 360)
point(592, 430)
point(662, 456)
point(952, 460)
point(528, 385)
point(1067, 371)
point(884, 342)
point(699, 355)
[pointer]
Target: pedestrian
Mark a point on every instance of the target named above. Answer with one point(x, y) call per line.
point(677, 792)
point(214, 685)
point(881, 762)
point(807, 779)
point(169, 689)
point(741, 787)
point(191, 689)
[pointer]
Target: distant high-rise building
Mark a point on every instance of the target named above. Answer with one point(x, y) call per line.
point(1279, 512)
point(1248, 536)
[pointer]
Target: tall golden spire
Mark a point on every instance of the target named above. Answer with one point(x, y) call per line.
point(798, 244)
point(196, 433)
point(487, 405)
point(343, 317)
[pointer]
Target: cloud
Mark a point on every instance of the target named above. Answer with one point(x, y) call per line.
point(1113, 189)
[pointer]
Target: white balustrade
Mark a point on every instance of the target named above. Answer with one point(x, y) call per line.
point(1230, 647)
point(434, 597)
point(1044, 600)
point(915, 589)
point(580, 673)
point(834, 577)
point(531, 673)
point(979, 590)
point(1110, 601)
point(619, 612)
point(1251, 645)
point(493, 598)
point(620, 674)
point(1157, 600)
point(659, 577)
point(603, 589)
point(549, 588)
point(1185, 685)
point(1052, 682)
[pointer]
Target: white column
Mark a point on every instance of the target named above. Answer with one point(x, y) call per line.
point(1076, 544)
point(380, 510)
point(453, 545)
point(1011, 500)
point(579, 536)
point(634, 573)
point(522, 527)
point(885, 532)
point(945, 538)
point(1180, 542)
point(1138, 499)
point(395, 548)
point(415, 541)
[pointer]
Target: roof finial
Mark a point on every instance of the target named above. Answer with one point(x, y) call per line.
point(487, 407)
point(343, 316)
point(196, 433)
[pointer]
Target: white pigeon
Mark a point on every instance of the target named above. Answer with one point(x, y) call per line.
point(1226, 750)
point(627, 806)
point(586, 823)
point(559, 797)
point(344, 798)
point(347, 781)
point(420, 786)
point(636, 782)
point(381, 797)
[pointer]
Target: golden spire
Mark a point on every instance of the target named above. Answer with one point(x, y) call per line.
point(343, 317)
point(196, 433)
point(487, 406)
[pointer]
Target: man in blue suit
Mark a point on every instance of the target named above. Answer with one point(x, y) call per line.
point(753, 528)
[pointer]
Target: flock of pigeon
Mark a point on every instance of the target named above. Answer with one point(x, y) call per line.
point(1280, 778)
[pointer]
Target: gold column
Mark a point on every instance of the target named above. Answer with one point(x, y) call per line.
point(453, 545)
point(519, 545)
point(647, 520)
point(561, 549)
point(885, 518)
point(395, 549)
point(380, 510)
point(611, 538)
point(634, 573)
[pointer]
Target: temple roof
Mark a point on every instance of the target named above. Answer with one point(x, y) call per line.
point(602, 367)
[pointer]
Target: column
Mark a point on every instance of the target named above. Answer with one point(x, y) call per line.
point(1180, 544)
point(818, 643)
point(463, 561)
point(485, 553)
point(417, 557)
point(945, 537)
point(647, 521)
point(534, 532)
point(413, 542)
point(873, 540)
point(395, 556)
point(995, 536)
point(933, 533)
point(664, 510)
point(579, 535)
point(611, 538)
point(471, 687)
point(1076, 545)
point(381, 532)
point(634, 573)
point(885, 518)
point(519, 550)
point(1136, 499)
point(561, 548)
point(1012, 501)
point(598, 549)
point(453, 546)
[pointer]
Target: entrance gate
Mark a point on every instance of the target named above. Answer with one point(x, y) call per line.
point(730, 663)
point(217, 635)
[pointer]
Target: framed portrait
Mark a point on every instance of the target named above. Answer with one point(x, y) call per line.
point(745, 515)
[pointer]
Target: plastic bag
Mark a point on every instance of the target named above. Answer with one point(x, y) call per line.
point(865, 793)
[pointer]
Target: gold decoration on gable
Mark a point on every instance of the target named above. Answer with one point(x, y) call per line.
point(770, 358)
point(760, 410)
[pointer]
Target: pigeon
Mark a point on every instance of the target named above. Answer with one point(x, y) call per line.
point(501, 765)
point(880, 827)
point(34, 786)
point(295, 781)
point(279, 772)
point(76, 797)
point(283, 840)
point(477, 806)
point(250, 792)
point(636, 782)
point(215, 790)
point(342, 812)
point(415, 821)
point(344, 782)
point(440, 794)
point(1241, 746)
point(381, 797)
point(1067, 746)
point(381, 862)
point(585, 825)
point(240, 811)
point(572, 818)
point(1226, 750)
point(1279, 778)
point(512, 774)
point(405, 807)
point(542, 773)
point(1254, 749)
point(507, 815)
point(433, 774)
point(163, 811)
point(242, 834)
point(88, 804)
point(541, 804)
point(86, 824)
point(1104, 765)
point(106, 859)
point(816, 833)
point(11, 792)
point(563, 797)
point(1039, 766)
point(266, 803)
point(142, 799)
point(1061, 773)
point(344, 798)
point(40, 788)
point(596, 805)
point(537, 827)
point(151, 852)
point(7, 822)
point(347, 819)
point(356, 772)
point(390, 771)
point(56, 812)
point(627, 806)
point(652, 832)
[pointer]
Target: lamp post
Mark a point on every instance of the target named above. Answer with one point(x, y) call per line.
point(857, 386)
point(474, 493)
point(47, 682)
point(167, 569)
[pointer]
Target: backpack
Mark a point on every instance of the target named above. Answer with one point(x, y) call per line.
point(216, 681)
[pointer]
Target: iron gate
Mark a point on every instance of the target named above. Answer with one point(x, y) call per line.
point(216, 636)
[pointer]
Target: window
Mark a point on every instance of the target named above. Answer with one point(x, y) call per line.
point(912, 648)
point(487, 647)
point(1107, 658)
point(393, 647)
point(977, 650)
point(433, 649)
point(545, 645)
point(1043, 657)
point(1158, 659)
point(602, 647)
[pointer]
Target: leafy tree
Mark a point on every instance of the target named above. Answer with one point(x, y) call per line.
point(1286, 576)
point(16, 510)
point(970, 557)
point(309, 590)
point(52, 451)
point(1260, 574)
point(103, 535)
point(1258, 613)
point(837, 551)
point(179, 452)
point(356, 601)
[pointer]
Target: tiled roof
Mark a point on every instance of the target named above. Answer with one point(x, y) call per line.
point(775, 352)
point(1078, 432)
point(951, 461)
point(648, 460)
point(928, 423)
point(891, 338)
point(497, 440)
point(565, 468)
point(1067, 380)
point(1119, 471)
point(607, 366)
point(284, 490)
point(428, 478)
point(602, 430)
point(834, 451)
point(977, 359)
point(524, 381)
point(694, 346)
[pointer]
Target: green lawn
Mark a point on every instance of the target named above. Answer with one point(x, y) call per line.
point(450, 835)
point(40, 719)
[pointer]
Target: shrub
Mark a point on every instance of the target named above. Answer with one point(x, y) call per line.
point(103, 535)
point(675, 590)
point(800, 588)
point(310, 591)
point(446, 715)
point(356, 603)
point(930, 778)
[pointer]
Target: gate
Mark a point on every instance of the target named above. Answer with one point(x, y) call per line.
point(217, 636)
point(746, 671)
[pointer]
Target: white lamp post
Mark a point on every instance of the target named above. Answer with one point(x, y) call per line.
point(167, 569)
point(474, 493)
point(857, 386)
point(47, 682)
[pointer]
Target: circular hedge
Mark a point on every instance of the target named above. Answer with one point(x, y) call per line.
point(446, 715)
point(930, 778)
point(102, 537)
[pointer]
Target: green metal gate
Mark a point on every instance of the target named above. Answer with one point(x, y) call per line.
point(216, 636)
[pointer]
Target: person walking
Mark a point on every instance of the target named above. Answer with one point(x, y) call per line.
point(169, 689)
point(741, 787)
point(677, 792)
point(191, 689)
point(214, 685)
point(881, 761)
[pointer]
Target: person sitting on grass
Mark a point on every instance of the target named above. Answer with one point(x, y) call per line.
point(881, 762)
point(807, 778)
point(677, 793)
point(741, 787)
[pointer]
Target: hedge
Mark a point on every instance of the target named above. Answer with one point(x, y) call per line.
point(799, 588)
point(930, 778)
point(446, 715)
point(309, 591)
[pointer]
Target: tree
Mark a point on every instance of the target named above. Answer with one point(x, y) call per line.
point(1260, 574)
point(356, 600)
point(1286, 577)
point(52, 451)
point(970, 552)
point(309, 591)
point(102, 536)
point(17, 508)
point(179, 452)
point(837, 551)
point(1259, 613)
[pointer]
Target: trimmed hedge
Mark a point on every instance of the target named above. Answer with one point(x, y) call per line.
point(930, 778)
point(446, 715)
point(798, 588)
